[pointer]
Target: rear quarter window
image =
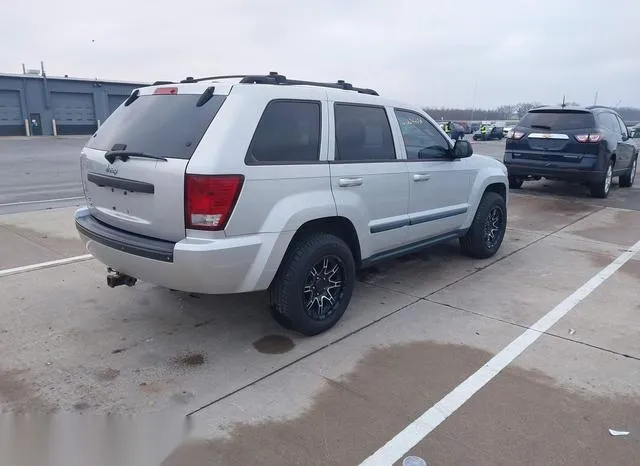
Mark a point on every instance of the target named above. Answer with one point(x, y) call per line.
point(166, 125)
point(558, 121)
point(288, 133)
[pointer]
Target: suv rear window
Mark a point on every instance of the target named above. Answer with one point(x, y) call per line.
point(166, 125)
point(558, 120)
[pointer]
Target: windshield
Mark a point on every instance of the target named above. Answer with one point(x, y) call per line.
point(560, 120)
point(163, 125)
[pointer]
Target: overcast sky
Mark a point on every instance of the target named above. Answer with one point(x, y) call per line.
point(429, 52)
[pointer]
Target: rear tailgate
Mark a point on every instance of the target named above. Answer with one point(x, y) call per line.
point(150, 138)
point(550, 135)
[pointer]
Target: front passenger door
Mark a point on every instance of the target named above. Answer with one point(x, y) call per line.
point(439, 186)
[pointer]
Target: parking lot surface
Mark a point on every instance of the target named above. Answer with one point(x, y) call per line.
point(417, 328)
point(40, 173)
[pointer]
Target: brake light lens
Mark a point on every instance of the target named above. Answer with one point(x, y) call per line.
point(210, 199)
point(166, 91)
point(591, 137)
point(515, 134)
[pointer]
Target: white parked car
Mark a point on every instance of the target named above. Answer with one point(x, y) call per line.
point(232, 185)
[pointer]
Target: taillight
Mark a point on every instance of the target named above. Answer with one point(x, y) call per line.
point(591, 137)
point(166, 91)
point(515, 134)
point(210, 199)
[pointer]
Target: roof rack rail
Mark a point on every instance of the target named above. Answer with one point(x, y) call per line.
point(160, 83)
point(190, 79)
point(277, 79)
point(591, 107)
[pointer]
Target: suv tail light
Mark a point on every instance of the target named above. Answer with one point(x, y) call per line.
point(210, 199)
point(591, 137)
point(515, 135)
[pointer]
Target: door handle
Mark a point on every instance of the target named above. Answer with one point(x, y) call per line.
point(421, 177)
point(348, 182)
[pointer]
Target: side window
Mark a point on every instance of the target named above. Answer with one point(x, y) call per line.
point(421, 139)
point(288, 133)
point(610, 122)
point(623, 127)
point(363, 134)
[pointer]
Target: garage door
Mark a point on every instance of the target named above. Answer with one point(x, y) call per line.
point(115, 101)
point(74, 113)
point(11, 123)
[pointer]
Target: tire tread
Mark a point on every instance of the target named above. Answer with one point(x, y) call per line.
point(283, 286)
point(472, 242)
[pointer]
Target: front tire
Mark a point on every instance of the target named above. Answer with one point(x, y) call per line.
point(626, 180)
point(602, 188)
point(314, 284)
point(515, 182)
point(488, 228)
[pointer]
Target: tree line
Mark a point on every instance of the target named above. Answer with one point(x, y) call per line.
point(510, 112)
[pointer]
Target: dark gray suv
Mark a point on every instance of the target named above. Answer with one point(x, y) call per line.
point(589, 145)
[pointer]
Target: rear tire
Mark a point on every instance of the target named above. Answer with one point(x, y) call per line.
point(314, 284)
point(626, 180)
point(515, 182)
point(602, 188)
point(488, 228)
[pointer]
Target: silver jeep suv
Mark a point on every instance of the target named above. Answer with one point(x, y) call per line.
point(242, 183)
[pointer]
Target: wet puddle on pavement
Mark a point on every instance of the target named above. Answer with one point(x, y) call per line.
point(352, 416)
point(274, 344)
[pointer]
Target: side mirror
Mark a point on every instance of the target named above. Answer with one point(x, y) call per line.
point(462, 149)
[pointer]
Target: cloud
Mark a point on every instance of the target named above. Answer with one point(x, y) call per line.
point(429, 53)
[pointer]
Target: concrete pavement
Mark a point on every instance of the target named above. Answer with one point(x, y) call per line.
point(416, 329)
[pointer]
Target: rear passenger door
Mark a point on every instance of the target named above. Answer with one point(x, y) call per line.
point(285, 166)
point(625, 149)
point(439, 186)
point(368, 179)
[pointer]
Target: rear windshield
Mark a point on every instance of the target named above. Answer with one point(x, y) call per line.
point(558, 120)
point(166, 125)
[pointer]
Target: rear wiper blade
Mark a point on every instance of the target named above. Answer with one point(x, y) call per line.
point(541, 126)
point(124, 155)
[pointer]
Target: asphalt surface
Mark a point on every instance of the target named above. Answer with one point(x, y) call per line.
point(40, 173)
point(416, 329)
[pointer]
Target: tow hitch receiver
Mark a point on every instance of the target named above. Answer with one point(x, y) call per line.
point(115, 278)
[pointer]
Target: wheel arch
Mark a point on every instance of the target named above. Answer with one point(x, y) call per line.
point(338, 226)
point(491, 181)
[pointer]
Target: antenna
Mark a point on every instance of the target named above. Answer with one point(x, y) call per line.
point(595, 99)
point(563, 102)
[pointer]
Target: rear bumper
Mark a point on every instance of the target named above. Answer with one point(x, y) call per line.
point(208, 266)
point(584, 171)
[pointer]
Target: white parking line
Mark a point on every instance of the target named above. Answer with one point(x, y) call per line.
point(44, 265)
point(411, 435)
point(44, 201)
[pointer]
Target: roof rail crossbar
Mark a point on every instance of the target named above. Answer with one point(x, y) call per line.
point(278, 79)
